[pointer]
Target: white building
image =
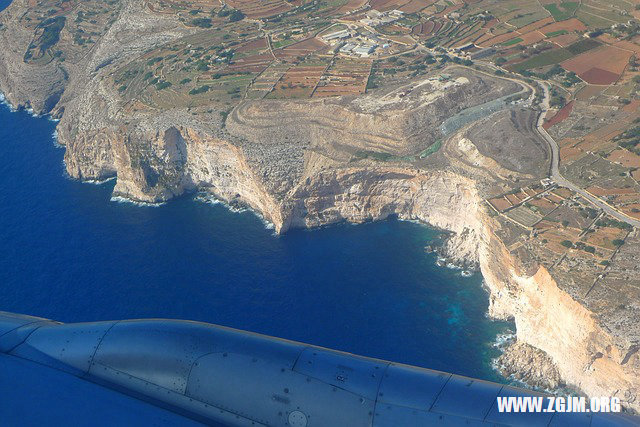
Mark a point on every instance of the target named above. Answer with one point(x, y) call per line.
point(338, 35)
point(364, 50)
point(347, 48)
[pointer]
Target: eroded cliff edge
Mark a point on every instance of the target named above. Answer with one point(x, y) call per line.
point(306, 163)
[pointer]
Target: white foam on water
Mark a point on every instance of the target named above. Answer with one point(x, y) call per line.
point(3, 101)
point(504, 339)
point(212, 200)
point(99, 181)
point(54, 135)
point(120, 199)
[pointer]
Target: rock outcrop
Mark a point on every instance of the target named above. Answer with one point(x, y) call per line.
point(308, 163)
point(529, 365)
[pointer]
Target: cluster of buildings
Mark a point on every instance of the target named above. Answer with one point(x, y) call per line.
point(470, 51)
point(337, 36)
point(349, 42)
point(362, 49)
point(375, 18)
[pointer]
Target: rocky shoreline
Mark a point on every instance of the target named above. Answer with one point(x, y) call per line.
point(301, 164)
point(525, 364)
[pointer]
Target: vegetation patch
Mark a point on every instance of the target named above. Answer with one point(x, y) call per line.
point(630, 139)
point(562, 11)
point(547, 58)
point(431, 149)
point(199, 90)
point(375, 155)
point(201, 22)
point(557, 33)
point(583, 46)
point(48, 38)
point(512, 41)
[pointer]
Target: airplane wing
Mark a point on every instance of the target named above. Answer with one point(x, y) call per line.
point(173, 372)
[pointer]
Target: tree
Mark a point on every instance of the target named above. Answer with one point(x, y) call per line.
point(618, 242)
point(201, 22)
point(235, 16)
point(567, 243)
point(162, 85)
point(558, 101)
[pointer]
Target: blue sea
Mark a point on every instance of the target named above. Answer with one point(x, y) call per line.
point(69, 253)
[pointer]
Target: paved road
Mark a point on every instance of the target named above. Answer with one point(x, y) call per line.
point(562, 181)
point(554, 172)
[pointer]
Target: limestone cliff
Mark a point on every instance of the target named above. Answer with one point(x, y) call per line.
point(307, 163)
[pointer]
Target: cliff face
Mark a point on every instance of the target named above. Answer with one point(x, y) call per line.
point(308, 163)
point(547, 318)
point(585, 353)
point(36, 86)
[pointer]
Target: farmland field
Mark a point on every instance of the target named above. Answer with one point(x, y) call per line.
point(547, 58)
point(562, 11)
point(344, 77)
point(600, 66)
point(556, 33)
point(298, 81)
point(259, 9)
point(512, 41)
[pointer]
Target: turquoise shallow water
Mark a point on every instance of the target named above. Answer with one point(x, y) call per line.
point(67, 252)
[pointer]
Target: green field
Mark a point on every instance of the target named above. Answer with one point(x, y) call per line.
point(556, 55)
point(512, 42)
point(583, 46)
point(547, 58)
point(562, 11)
point(557, 33)
point(528, 16)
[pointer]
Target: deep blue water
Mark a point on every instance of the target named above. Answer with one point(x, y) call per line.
point(68, 253)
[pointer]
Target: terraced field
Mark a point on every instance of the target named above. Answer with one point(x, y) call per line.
point(344, 77)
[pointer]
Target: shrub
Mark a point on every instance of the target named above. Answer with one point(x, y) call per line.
point(567, 243)
point(201, 89)
point(201, 22)
point(235, 16)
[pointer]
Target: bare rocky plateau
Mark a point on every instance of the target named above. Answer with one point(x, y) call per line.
point(307, 163)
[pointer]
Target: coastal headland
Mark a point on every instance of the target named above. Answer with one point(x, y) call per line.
point(450, 146)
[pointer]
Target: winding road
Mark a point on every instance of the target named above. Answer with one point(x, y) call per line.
point(562, 181)
point(554, 170)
